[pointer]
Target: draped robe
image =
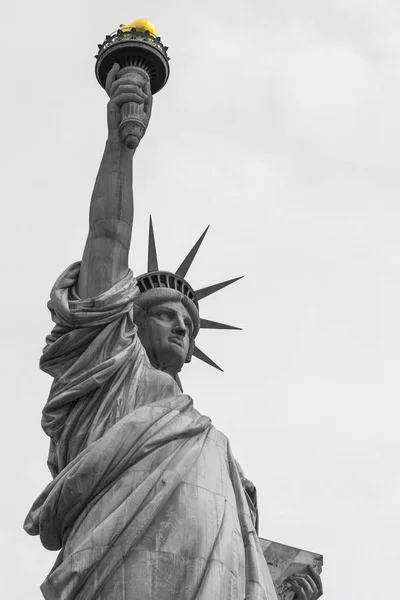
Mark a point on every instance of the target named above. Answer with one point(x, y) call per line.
point(147, 500)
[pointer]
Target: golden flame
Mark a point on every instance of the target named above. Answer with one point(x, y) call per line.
point(141, 25)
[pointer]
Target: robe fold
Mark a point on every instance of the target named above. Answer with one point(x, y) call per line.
point(147, 500)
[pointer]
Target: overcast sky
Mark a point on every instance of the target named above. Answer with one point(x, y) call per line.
point(280, 127)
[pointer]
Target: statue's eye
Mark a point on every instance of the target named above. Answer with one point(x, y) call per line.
point(164, 314)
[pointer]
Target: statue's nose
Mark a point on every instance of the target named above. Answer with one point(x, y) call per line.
point(179, 326)
point(180, 330)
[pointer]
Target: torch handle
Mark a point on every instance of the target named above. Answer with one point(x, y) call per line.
point(133, 117)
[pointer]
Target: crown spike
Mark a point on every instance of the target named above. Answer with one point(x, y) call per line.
point(185, 266)
point(211, 289)
point(152, 264)
point(207, 324)
point(201, 356)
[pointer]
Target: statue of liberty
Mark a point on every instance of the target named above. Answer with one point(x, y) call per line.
point(147, 501)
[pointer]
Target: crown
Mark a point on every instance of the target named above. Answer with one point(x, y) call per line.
point(136, 44)
point(155, 278)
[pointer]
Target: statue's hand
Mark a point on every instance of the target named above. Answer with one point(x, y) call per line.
point(121, 91)
point(308, 586)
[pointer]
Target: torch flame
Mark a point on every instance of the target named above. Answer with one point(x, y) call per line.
point(141, 25)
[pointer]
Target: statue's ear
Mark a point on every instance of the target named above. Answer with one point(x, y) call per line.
point(190, 351)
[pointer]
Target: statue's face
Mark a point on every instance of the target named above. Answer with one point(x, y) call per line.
point(165, 335)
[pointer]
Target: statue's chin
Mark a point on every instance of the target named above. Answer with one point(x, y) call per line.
point(163, 353)
point(170, 362)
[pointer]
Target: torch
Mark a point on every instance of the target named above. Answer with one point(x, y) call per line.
point(143, 58)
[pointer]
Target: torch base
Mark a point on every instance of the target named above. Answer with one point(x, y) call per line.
point(134, 53)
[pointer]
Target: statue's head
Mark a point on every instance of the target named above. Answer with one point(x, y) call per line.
point(168, 323)
point(167, 312)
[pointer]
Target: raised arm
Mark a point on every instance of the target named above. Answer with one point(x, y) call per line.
point(105, 258)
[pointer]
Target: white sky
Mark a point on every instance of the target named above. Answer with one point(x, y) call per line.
point(279, 126)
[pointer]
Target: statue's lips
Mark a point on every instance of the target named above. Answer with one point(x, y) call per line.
point(176, 340)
